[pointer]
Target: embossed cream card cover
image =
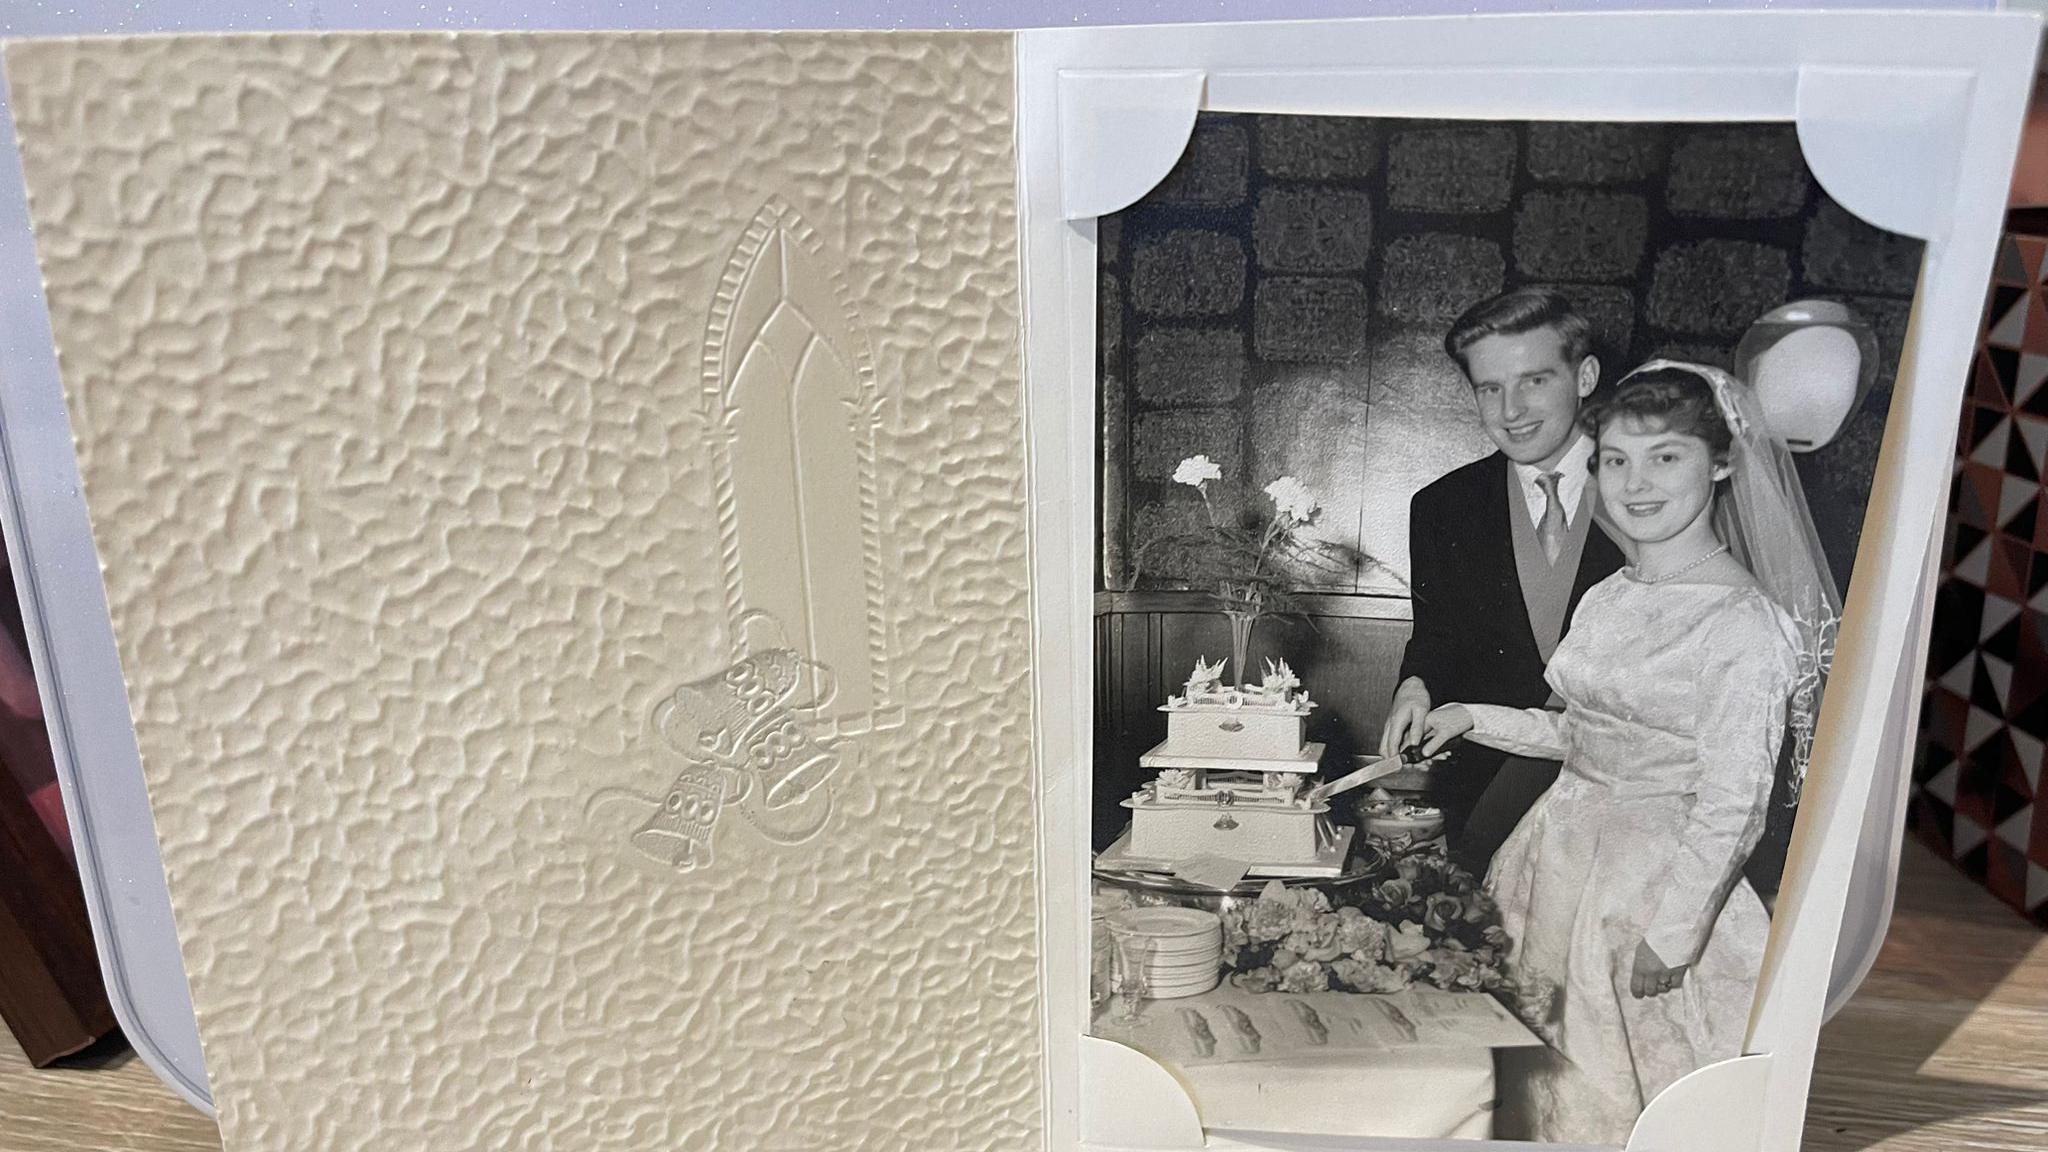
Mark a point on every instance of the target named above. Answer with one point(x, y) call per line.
point(562, 502)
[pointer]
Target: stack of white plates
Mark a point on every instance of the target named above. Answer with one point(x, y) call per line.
point(1163, 953)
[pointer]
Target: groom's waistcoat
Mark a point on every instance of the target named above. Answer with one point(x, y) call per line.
point(1546, 586)
point(1488, 606)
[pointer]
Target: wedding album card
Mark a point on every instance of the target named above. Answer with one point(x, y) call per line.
point(1232, 587)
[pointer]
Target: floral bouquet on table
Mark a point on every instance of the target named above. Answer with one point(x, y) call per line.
point(1251, 553)
point(1428, 922)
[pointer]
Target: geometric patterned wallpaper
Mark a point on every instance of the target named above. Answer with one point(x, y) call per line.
point(1279, 302)
point(1984, 724)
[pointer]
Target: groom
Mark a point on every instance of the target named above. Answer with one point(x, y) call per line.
point(1500, 551)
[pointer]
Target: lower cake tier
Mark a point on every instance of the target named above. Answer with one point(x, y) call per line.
point(1178, 831)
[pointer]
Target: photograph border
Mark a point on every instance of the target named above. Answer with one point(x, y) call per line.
point(1104, 114)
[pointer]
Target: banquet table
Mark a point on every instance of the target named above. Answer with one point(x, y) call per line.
point(1415, 1064)
point(1439, 1085)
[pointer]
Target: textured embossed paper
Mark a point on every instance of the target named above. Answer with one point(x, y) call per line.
point(562, 501)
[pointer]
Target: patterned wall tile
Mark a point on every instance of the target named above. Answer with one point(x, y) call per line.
point(1344, 247)
point(1985, 723)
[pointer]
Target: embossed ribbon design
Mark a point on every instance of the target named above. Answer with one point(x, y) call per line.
point(751, 740)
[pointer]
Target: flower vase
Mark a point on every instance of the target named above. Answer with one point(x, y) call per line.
point(1241, 625)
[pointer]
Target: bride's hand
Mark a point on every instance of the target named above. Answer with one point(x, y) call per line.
point(1651, 977)
point(1443, 725)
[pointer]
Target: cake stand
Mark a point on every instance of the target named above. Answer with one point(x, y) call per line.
point(1367, 864)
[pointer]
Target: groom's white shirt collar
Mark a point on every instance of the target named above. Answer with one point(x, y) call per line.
point(1573, 471)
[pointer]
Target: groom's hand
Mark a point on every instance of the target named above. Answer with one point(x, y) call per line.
point(1404, 719)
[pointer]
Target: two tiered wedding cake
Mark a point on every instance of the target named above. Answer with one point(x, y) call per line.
point(1234, 781)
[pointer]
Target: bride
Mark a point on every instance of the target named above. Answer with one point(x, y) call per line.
point(1637, 942)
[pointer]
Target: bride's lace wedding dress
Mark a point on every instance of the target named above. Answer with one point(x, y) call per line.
point(1675, 699)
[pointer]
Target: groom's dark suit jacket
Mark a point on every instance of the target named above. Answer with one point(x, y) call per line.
point(1472, 641)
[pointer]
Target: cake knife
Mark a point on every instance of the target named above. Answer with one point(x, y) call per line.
point(1373, 770)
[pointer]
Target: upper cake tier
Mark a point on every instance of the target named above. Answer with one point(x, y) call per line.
point(1265, 722)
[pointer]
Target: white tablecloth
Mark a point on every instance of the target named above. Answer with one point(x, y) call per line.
point(1432, 1082)
point(1436, 1093)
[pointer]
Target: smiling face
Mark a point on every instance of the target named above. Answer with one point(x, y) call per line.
point(1655, 483)
point(1528, 393)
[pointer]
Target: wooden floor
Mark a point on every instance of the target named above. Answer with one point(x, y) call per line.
point(96, 1105)
point(1945, 1048)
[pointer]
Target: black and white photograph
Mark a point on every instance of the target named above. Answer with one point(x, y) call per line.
point(1477, 505)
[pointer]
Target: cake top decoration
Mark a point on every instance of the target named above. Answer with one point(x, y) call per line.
point(1280, 680)
point(1206, 681)
point(1279, 691)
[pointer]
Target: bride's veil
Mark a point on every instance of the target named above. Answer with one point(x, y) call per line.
point(1763, 518)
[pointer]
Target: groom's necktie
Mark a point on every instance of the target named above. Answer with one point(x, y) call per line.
point(1550, 531)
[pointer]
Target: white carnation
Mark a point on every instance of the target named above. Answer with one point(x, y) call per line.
point(1196, 470)
point(1293, 499)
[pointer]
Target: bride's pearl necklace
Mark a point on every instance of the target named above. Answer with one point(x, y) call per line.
point(1677, 572)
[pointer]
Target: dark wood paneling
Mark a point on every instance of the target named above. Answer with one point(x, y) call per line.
point(50, 992)
point(51, 997)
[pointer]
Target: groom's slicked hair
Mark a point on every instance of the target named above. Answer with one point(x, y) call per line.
point(1517, 311)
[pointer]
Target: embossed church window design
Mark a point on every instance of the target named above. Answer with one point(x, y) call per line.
point(790, 388)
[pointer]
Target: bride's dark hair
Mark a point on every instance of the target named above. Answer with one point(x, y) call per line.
point(1671, 399)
